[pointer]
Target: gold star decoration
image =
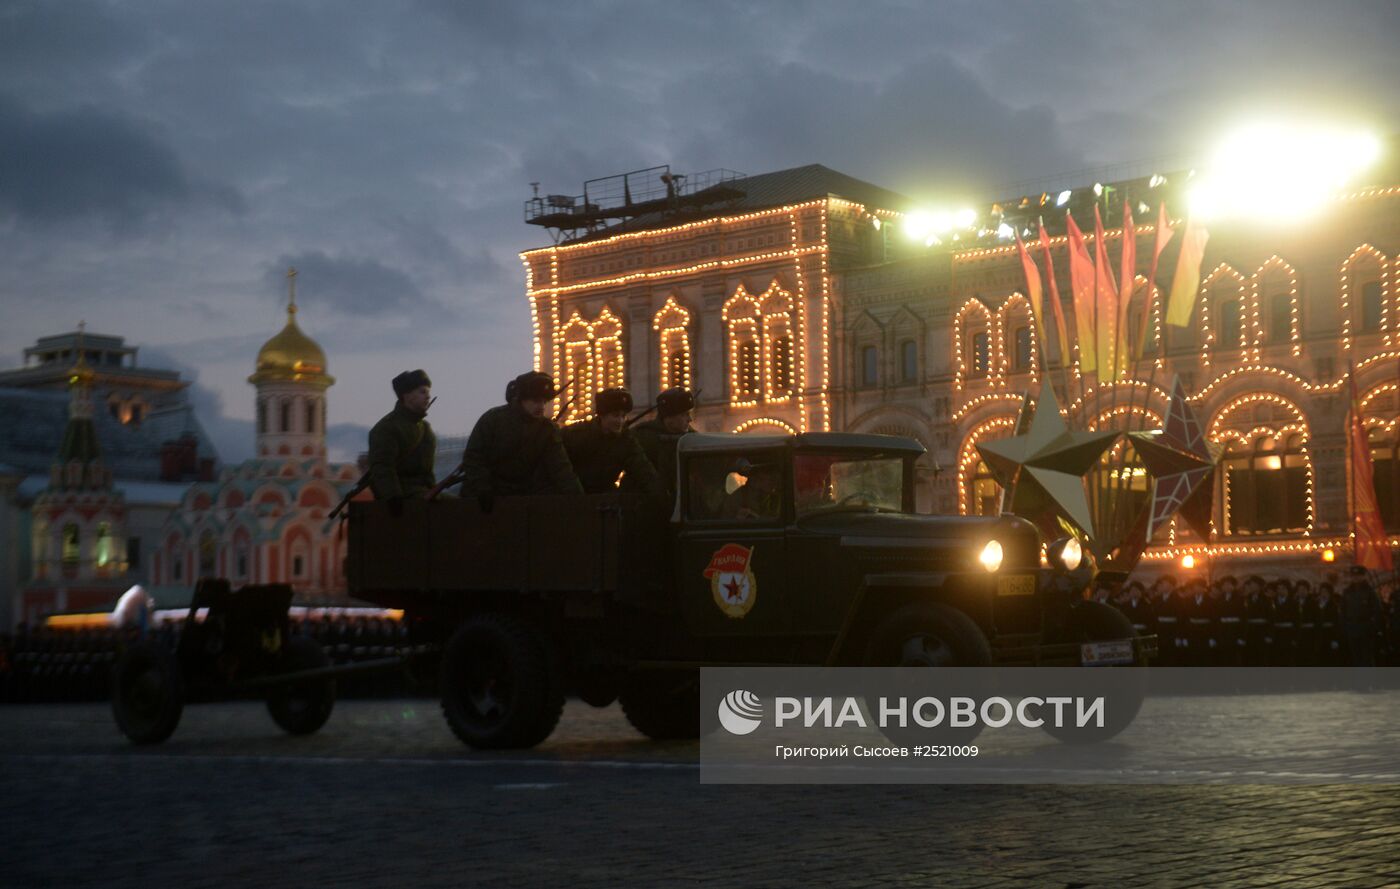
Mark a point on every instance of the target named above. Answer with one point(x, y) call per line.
point(1043, 468)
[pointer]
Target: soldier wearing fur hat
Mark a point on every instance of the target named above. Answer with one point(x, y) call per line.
point(603, 448)
point(516, 449)
point(675, 408)
point(402, 444)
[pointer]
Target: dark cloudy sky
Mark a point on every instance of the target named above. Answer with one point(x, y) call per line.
point(162, 163)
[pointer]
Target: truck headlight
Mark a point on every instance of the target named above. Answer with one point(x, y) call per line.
point(990, 557)
point(1066, 553)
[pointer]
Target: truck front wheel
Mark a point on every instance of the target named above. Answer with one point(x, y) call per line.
point(928, 634)
point(302, 708)
point(499, 687)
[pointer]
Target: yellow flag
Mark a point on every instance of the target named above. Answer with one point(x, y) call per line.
point(1187, 280)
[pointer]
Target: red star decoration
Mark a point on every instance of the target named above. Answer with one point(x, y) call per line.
point(732, 589)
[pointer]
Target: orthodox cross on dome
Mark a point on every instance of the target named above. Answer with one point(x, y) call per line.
point(291, 290)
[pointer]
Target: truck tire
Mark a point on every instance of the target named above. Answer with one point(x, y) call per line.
point(1097, 622)
point(147, 693)
point(499, 685)
point(928, 634)
point(302, 708)
point(663, 706)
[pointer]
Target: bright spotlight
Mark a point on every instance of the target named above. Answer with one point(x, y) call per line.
point(1188, 561)
point(1098, 189)
point(965, 218)
point(1157, 180)
point(875, 222)
point(1063, 198)
point(1281, 171)
point(918, 225)
point(1005, 232)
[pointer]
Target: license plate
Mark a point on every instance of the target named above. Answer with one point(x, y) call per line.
point(1016, 585)
point(1104, 654)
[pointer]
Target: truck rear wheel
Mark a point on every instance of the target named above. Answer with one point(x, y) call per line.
point(1097, 622)
point(147, 693)
point(663, 706)
point(302, 708)
point(499, 687)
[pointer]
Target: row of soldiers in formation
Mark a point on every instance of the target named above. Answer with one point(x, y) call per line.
point(516, 448)
point(1255, 622)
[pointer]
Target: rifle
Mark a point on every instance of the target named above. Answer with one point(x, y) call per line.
point(694, 396)
point(564, 408)
point(345, 501)
point(452, 478)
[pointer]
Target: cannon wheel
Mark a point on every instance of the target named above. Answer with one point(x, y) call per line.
point(302, 708)
point(499, 684)
point(1097, 622)
point(147, 693)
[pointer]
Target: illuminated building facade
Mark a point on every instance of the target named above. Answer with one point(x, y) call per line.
point(799, 307)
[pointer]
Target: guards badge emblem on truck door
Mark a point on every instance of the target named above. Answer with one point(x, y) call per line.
point(732, 583)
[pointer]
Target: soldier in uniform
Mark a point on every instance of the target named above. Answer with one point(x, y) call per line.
point(1327, 614)
point(1165, 609)
point(1137, 609)
point(675, 408)
point(603, 448)
point(1284, 627)
point(1197, 636)
point(515, 449)
point(1361, 618)
point(1229, 619)
point(1307, 624)
point(402, 444)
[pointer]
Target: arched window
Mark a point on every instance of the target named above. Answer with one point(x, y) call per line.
point(1280, 317)
point(761, 346)
point(40, 536)
point(103, 551)
point(593, 361)
point(981, 354)
point(1266, 485)
point(1021, 349)
point(311, 415)
point(262, 416)
point(869, 366)
point(286, 417)
point(208, 550)
point(908, 361)
point(1372, 307)
point(672, 326)
point(72, 540)
point(1228, 330)
point(749, 383)
point(782, 364)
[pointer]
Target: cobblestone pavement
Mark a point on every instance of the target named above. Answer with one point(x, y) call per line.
point(384, 796)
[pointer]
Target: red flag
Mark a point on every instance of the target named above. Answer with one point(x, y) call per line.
point(1105, 304)
point(1033, 291)
point(1081, 285)
point(1127, 283)
point(1056, 307)
point(1372, 549)
point(1187, 280)
point(1163, 235)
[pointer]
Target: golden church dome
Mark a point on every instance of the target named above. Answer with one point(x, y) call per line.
point(291, 356)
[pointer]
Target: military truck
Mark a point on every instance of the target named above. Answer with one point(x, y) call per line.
point(777, 550)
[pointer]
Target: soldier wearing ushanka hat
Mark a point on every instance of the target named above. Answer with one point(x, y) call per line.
point(516, 449)
point(675, 408)
point(402, 444)
point(603, 448)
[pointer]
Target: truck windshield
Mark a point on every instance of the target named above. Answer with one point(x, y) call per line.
point(826, 482)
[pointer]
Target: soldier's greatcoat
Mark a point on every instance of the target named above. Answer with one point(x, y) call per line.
point(401, 451)
point(598, 458)
point(510, 452)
